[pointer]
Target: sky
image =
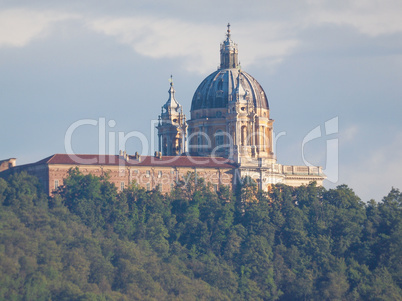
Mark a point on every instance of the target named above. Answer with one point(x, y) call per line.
point(78, 71)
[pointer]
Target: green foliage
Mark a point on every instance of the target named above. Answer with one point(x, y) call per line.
point(90, 242)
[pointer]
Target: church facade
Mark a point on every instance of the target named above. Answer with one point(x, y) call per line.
point(228, 137)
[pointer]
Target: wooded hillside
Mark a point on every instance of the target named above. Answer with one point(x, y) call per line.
point(90, 242)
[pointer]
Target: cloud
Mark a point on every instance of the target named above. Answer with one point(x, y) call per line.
point(161, 38)
point(18, 27)
point(170, 38)
point(151, 36)
point(266, 42)
point(372, 18)
point(260, 41)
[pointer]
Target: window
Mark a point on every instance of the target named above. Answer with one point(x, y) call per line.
point(267, 138)
point(160, 174)
point(148, 186)
point(122, 186)
point(148, 173)
point(263, 138)
point(243, 135)
point(164, 146)
point(56, 184)
point(218, 137)
point(220, 85)
point(200, 148)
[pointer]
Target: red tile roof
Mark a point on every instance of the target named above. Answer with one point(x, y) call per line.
point(167, 161)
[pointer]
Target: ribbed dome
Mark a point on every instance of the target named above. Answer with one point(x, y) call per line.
point(226, 85)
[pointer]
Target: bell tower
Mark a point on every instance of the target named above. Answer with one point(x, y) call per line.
point(172, 126)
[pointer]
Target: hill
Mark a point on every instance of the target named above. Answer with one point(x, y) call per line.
point(90, 242)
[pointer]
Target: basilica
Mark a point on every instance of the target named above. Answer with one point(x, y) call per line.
point(228, 138)
point(229, 119)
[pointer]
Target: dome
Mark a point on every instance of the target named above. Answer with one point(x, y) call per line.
point(225, 85)
point(228, 83)
point(230, 113)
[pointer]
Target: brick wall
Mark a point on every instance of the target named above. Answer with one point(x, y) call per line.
point(148, 177)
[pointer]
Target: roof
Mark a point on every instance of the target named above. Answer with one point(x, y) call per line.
point(171, 102)
point(225, 85)
point(164, 161)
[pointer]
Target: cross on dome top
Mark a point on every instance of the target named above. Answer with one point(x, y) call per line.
point(228, 31)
